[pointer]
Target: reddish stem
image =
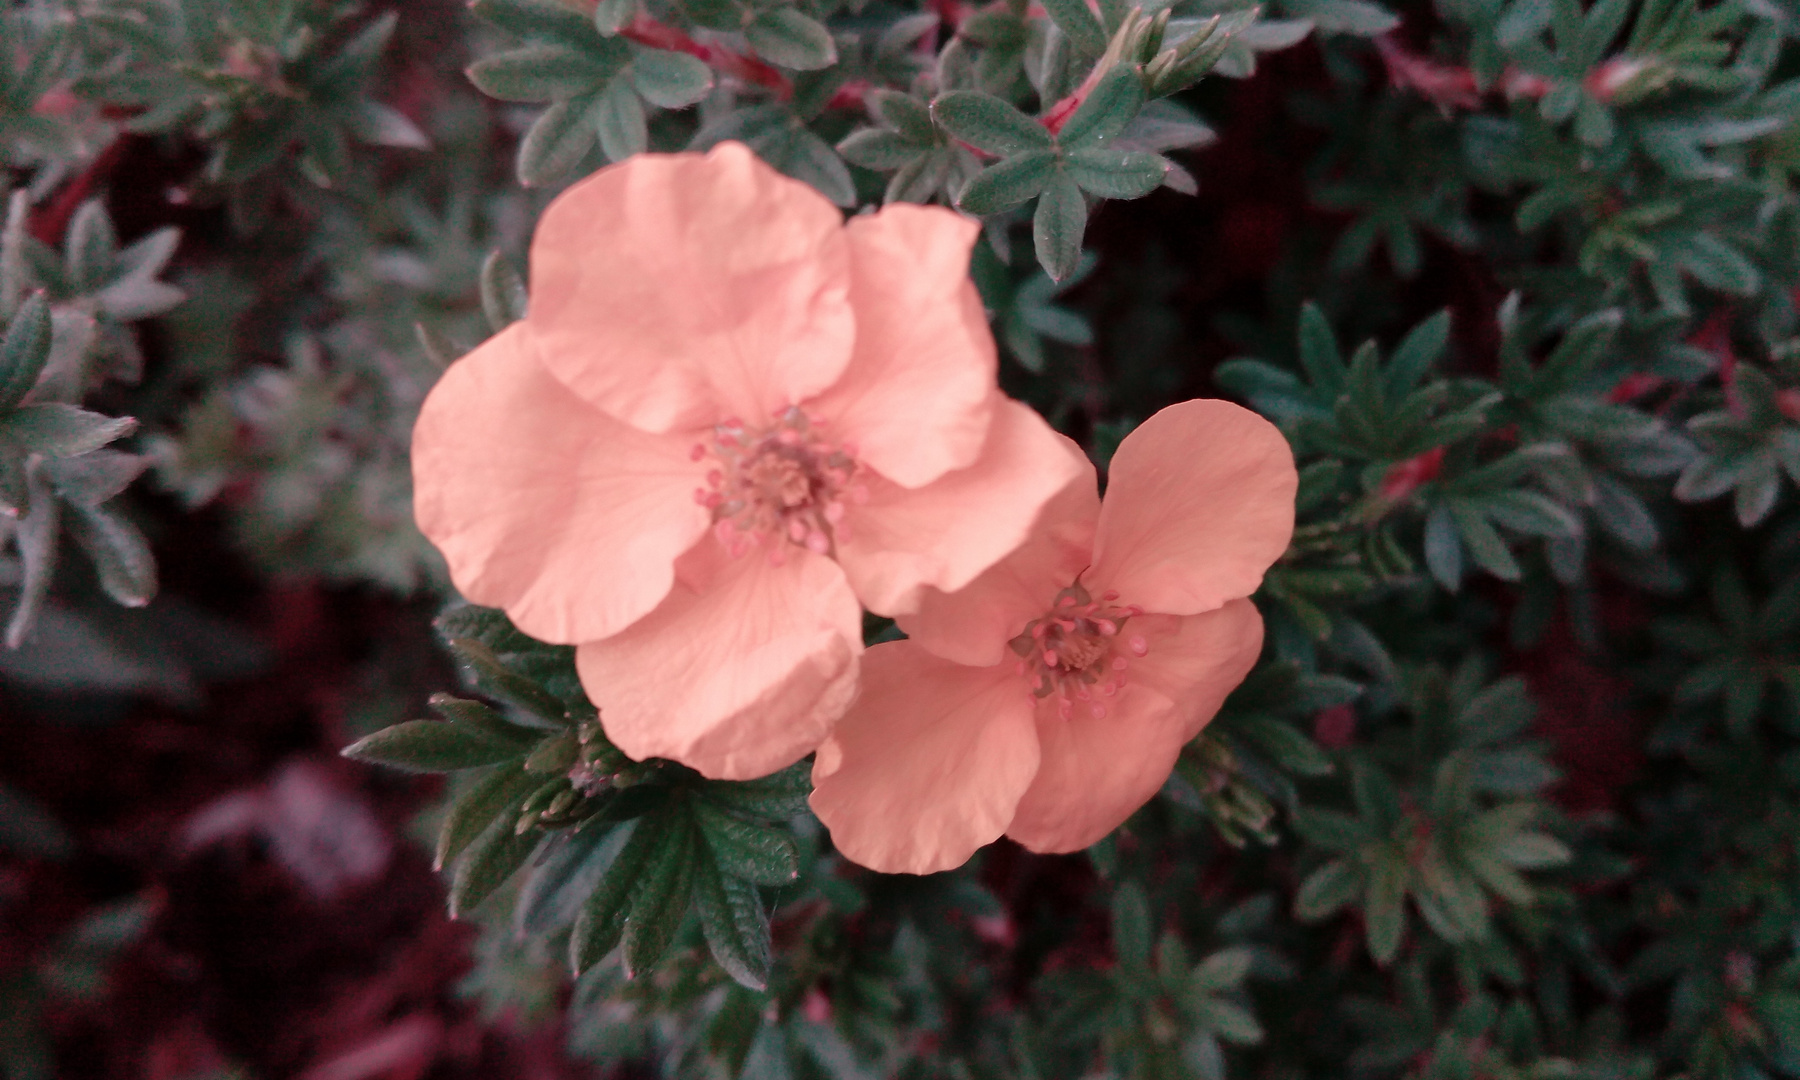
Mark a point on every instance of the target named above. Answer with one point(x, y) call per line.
point(1406, 477)
point(1714, 336)
point(52, 220)
point(1059, 113)
point(851, 95)
point(1450, 87)
point(647, 31)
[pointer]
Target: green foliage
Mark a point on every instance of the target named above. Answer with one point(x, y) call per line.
point(615, 853)
point(65, 335)
point(251, 79)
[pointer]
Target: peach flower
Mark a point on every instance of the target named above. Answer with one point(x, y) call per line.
point(1049, 699)
point(727, 418)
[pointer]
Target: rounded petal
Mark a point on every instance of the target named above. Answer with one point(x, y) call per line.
point(569, 520)
point(1095, 773)
point(676, 290)
point(737, 679)
point(919, 391)
point(973, 624)
point(1199, 502)
point(946, 533)
point(929, 763)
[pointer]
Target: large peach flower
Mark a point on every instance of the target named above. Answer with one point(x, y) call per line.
point(727, 418)
point(1048, 699)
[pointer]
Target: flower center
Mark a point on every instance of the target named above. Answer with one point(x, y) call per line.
point(1078, 650)
point(778, 485)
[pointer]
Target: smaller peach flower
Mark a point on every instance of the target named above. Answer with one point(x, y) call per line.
point(1048, 700)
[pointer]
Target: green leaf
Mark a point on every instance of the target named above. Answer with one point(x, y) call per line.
point(736, 927)
point(1523, 19)
point(1005, 185)
point(1498, 713)
point(1716, 264)
point(669, 79)
point(1332, 829)
point(24, 350)
point(1532, 513)
point(537, 18)
point(1443, 548)
point(1131, 927)
point(878, 149)
point(1058, 225)
point(1499, 878)
point(1417, 352)
point(1384, 911)
point(131, 298)
point(15, 485)
point(93, 477)
point(1326, 890)
point(1377, 799)
point(1620, 512)
point(432, 746)
point(618, 116)
point(1230, 1021)
point(544, 20)
point(90, 247)
point(601, 921)
point(1356, 17)
point(57, 430)
point(1530, 851)
point(1079, 24)
point(755, 853)
point(492, 678)
point(1223, 970)
point(556, 141)
point(478, 717)
point(795, 150)
point(1115, 174)
point(119, 552)
point(1457, 896)
point(988, 123)
point(573, 866)
point(494, 856)
point(611, 16)
point(786, 37)
point(494, 796)
point(1319, 354)
point(503, 298)
point(1483, 542)
point(1290, 749)
point(1710, 476)
point(542, 73)
point(1109, 109)
point(659, 900)
point(907, 115)
point(35, 539)
point(777, 797)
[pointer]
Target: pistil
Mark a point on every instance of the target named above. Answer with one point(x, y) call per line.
point(1076, 651)
point(778, 485)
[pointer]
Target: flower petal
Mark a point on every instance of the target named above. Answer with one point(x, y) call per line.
point(738, 679)
point(1199, 502)
point(542, 505)
point(676, 290)
point(1096, 772)
point(928, 764)
point(919, 391)
point(973, 624)
point(946, 533)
